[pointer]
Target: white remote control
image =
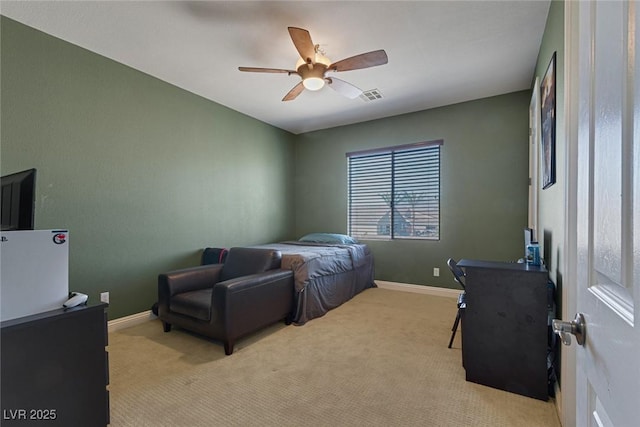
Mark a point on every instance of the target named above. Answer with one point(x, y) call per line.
point(76, 299)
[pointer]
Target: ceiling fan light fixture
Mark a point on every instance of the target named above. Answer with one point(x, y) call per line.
point(312, 66)
point(319, 59)
point(313, 83)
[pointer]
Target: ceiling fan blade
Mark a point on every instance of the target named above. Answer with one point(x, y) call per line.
point(302, 41)
point(364, 60)
point(293, 93)
point(266, 70)
point(344, 88)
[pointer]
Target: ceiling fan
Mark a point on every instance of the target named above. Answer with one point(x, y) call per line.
point(313, 66)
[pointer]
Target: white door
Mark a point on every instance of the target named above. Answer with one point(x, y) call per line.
point(604, 148)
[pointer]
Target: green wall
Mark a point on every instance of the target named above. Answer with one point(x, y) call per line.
point(145, 174)
point(551, 211)
point(142, 173)
point(484, 181)
point(552, 200)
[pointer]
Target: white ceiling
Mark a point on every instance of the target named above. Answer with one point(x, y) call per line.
point(440, 52)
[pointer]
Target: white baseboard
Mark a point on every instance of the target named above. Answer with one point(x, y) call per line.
point(419, 289)
point(129, 321)
point(145, 316)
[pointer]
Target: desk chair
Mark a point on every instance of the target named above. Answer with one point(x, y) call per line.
point(458, 276)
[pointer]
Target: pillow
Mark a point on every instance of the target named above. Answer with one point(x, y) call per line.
point(327, 238)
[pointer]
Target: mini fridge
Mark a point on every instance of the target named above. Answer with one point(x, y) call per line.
point(34, 272)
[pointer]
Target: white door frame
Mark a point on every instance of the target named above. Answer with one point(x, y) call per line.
point(534, 168)
point(567, 396)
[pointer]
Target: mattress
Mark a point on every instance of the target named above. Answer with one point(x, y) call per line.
point(325, 275)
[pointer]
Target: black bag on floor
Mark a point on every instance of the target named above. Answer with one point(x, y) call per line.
point(213, 256)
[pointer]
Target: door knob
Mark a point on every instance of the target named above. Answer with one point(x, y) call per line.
point(565, 329)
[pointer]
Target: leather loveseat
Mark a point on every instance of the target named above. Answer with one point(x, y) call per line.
point(228, 301)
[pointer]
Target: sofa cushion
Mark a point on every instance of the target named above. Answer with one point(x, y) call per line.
point(247, 261)
point(194, 304)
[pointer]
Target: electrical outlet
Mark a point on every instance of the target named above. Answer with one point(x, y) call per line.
point(436, 272)
point(104, 297)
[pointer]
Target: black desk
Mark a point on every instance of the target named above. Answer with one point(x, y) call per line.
point(504, 326)
point(55, 368)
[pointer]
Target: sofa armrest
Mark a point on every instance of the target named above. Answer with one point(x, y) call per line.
point(245, 283)
point(241, 302)
point(187, 279)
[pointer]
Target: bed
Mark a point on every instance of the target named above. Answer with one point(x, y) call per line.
point(325, 274)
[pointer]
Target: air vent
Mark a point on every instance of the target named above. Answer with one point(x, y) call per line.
point(371, 95)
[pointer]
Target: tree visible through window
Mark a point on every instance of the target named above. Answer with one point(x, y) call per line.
point(394, 192)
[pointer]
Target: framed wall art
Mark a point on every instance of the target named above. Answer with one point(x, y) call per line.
point(548, 121)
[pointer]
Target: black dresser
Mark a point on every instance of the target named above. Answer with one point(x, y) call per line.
point(505, 326)
point(55, 369)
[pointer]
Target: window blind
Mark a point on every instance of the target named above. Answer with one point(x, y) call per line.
point(394, 193)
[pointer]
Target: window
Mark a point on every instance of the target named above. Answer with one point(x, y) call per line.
point(394, 192)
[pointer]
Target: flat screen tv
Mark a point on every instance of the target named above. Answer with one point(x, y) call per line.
point(18, 200)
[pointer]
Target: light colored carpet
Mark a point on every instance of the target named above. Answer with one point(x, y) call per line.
point(380, 359)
